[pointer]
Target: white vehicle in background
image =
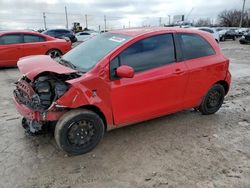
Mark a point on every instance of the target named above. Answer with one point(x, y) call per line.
point(212, 31)
point(83, 36)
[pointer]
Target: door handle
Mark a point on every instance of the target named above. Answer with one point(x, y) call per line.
point(178, 71)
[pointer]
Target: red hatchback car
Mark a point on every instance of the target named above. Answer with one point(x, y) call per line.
point(119, 78)
point(17, 44)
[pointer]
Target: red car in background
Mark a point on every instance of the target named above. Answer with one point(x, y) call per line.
point(120, 78)
point(17, 44)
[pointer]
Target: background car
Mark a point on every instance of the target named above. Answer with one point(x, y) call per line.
point(212, 31)
point(17, 44)
point(227, 34)
point(245, 39)
point(237, 32)
point(83, 36)
point(61, 34)
point(246, 31)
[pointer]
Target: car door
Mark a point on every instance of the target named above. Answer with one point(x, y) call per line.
point(10, 49)
point(158, 84)
point(203, 66)
point(33, 45)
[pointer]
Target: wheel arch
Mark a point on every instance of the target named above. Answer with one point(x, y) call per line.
point(98, 111)
point(224, 84)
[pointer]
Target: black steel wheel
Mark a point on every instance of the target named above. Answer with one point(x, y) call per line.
point(213, 100)
point(79, 131)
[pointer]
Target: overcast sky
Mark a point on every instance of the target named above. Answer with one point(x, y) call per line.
point(24, 14)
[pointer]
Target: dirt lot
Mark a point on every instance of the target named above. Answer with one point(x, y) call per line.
point(185, 149)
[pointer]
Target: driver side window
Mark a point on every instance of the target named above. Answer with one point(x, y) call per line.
point(146, 54)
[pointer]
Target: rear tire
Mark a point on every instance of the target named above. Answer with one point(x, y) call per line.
point(79, 131)
point(54, 53)
point(213, 100)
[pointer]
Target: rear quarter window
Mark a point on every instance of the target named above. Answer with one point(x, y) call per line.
point(194, 46)
point(32, 38)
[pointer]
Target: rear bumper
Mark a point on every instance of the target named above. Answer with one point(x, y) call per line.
point(228, 80)
point(37, 116)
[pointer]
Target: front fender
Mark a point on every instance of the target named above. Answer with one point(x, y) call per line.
point(81, 96)
point(76, 97)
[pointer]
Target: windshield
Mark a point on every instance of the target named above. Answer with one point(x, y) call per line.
point(86, 55)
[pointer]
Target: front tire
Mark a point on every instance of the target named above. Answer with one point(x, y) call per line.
point(79, 131)
point(213, 100)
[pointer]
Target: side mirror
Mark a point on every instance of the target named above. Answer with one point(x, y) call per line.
point(125, 71)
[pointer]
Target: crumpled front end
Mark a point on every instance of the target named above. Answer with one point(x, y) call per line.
point(36, 100)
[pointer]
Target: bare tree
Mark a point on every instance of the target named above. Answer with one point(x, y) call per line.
point(231, 18)
point(203, 22)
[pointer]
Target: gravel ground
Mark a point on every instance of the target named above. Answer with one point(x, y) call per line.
point(185, 149)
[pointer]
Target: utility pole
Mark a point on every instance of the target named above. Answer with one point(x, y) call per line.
point(160, 21)
point(169, 19)
point(66, 15)
point(188, 14)
point(129, 24)
point(86, 21)
point(242, 13)
point(44, 20)
point(105, 26)
point(99, 28)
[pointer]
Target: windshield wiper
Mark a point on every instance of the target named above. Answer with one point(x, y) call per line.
point(67, 63)
point(70, 65)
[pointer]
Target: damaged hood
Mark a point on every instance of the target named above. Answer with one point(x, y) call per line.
point(32, 66)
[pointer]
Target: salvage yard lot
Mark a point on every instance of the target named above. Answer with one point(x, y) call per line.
point(184, 149)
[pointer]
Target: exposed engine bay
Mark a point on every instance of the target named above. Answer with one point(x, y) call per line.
point(43, 91)
point(40, 94)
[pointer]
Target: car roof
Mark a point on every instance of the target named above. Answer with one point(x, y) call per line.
point(134, 32)
point(18, 32)
point(83, 32)
point(58, 29)
point(25, 32)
